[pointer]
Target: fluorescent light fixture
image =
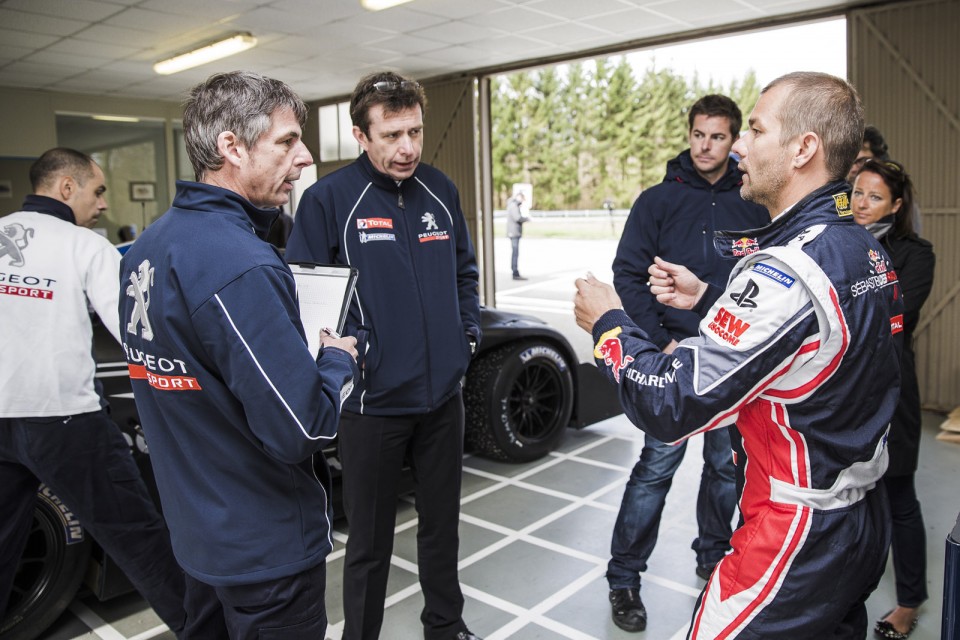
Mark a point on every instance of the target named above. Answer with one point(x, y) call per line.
point(206, 53)
point(116, 118)
point(380, 5)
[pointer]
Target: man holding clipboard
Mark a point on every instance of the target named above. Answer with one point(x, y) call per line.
point(233, 404)
point(416, 317)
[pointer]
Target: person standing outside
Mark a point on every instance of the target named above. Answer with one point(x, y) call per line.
point(515, 219)
point(54, 427)
point(232, 403)
point(883, 201)
point(416, 316)
point(783, 354)
point(676, 220)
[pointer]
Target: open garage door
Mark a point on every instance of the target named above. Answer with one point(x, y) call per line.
point(902, 58)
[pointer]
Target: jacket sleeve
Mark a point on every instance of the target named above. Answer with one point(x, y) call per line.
point(742, 352)
point(635, 253)
point(916, 281)
point(251, 331)
point(468, 274)
point(100, 276)
point(314, 237)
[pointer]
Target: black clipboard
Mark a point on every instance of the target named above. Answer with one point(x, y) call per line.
point(324, 292)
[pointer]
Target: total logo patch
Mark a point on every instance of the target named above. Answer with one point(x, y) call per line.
point(896, 324)
point(374, 223)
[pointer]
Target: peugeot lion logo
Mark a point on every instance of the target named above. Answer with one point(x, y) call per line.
point(139, 290)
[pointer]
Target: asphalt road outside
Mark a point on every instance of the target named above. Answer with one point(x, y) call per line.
point(551, 266)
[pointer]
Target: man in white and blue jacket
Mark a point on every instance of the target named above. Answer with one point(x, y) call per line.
point(233, 404)
point(416, 316)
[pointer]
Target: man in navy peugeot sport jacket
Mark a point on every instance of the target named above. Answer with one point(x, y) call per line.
point(416, 316)
point(232, 402)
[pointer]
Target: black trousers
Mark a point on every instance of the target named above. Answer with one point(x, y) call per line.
point(909, 546)
point(85, 460)
point(288, 608)
point(372, 450)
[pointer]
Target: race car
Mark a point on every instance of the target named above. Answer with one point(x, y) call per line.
point(520, 394)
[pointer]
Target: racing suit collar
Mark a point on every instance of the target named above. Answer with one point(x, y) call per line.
point(49, 206)
point(729, 243)
point(208, 197)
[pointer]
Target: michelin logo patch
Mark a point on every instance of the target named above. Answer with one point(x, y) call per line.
point(375, 237)
point(774, 274)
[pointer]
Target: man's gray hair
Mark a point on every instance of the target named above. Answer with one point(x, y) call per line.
point(828, 106)
point(239, 101)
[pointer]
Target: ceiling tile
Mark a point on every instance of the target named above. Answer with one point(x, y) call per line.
point(88, 48)
point(38, 23)
point(22, 39)
point(459, 32)
point(84, 10)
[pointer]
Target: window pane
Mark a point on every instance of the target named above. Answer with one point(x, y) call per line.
point(329, 142)
point(349, 148)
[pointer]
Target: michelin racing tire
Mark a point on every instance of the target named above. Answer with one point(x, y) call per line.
point(49, 573)
point(519, 399)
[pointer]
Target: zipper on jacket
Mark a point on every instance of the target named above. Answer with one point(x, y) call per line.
point(400, 200)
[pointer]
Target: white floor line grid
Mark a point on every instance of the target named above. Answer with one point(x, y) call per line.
point(534, 547)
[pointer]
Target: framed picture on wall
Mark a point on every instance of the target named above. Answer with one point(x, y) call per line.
point(143, 191)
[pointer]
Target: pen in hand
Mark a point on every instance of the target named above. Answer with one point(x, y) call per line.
point(331, 338)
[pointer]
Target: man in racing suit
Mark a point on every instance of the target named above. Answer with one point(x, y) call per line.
point(416, 316)
point(807, 316)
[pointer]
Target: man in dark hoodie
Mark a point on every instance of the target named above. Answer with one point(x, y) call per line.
point(675, 220)
point(233, 404)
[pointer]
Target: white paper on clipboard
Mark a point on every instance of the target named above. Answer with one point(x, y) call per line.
point(323, 293)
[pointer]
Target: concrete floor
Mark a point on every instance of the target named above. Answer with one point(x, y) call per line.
point(534, 547)
point(535, 537)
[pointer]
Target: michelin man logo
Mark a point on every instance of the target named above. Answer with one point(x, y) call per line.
point(430, 220)
point(13, 241)
point(139, 290)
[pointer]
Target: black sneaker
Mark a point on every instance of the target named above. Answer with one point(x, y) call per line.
point(628, 611)
point(466, 635)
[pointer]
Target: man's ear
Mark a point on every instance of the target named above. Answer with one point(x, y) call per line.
point(361, 137)
point(66, 188)
point(230, 148)
point(808, 145)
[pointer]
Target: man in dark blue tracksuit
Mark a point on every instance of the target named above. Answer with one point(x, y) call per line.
point(416, 316)
point(232, 402)
point(676, 219)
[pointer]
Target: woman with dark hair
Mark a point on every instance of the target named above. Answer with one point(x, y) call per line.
point(883, 202)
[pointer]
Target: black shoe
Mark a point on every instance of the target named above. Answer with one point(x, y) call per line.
point(884, 629)
point(705, 571)
point(628, 611)
point(517, 276)
point(466, 635)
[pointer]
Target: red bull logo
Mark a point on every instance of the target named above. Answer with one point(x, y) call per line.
point(611, 350)
point(745, 246)
point(879, 264)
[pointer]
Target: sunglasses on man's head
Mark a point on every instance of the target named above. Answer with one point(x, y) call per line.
point(386, 86)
